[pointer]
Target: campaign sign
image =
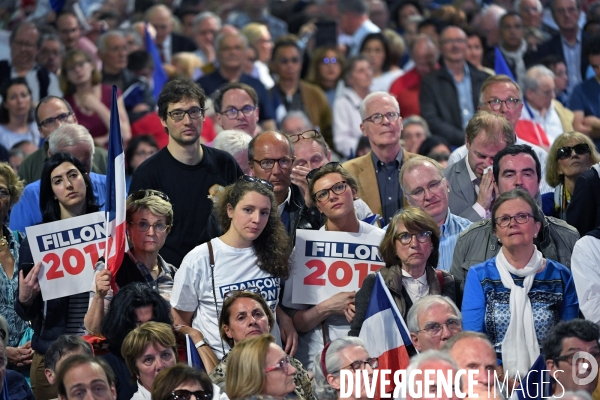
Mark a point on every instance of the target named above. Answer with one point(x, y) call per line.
point(326, 263)
point(68, 250)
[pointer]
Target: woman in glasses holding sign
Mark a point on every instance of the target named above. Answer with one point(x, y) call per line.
point(65, 192)
point(253, 253)
point(410, 252)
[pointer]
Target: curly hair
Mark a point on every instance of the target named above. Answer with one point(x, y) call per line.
point(14, 183)
point(272, 246)
point(414, 220)
point(553, 175)
point(176, 90)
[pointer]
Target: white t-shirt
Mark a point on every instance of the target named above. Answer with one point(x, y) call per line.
point(235, 269)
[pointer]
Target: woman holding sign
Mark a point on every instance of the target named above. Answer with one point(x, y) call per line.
point(410, 252)
point(333, 190)
point(65, 192)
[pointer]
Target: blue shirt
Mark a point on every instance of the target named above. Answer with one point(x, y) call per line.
point(572, 60)
point(465, 96)
point(360, 34)
point(449, 232)
point(27, 211)
point(586, 97)
point(390, 192)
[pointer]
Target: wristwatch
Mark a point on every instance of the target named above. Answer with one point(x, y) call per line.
point(201, 343)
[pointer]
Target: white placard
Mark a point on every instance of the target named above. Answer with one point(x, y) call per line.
point(68, 250)
point(326, 263)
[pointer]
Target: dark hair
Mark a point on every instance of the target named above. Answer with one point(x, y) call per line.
point(138, 60)
point(44, 101)
point(386, 47)
point(272, 247)
point(16, 29)
point(550, 61)
point(432, 142)
point(512, 195)
point(396, 8)
point(169, 378)
point(313, 75)
point(593, 45)
point(217, 96)
point(437, 24)
point(121, 319)
point(332, 169)
point(48, 203)
point(353, 6)
point(176, 90)
point(507, 15)
point(586, 331)
point(132, 147)
point(4, 115)
point(513, 150)
point(63, 345)
point(286, 41)
point(77, 360)
point(225, 315)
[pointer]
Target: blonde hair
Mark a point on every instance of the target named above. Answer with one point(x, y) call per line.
point(253, 31)
point(14, 183)
point(246, 366)
point(153, 203)
point(188, 63)
point(67, 87)
point(138, 339)
point(494, 126)
point(553, 175)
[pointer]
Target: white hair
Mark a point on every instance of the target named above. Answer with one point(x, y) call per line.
point(517, 5)
point(533, 76)
point(198, 19)
point(232, 141)
point(69, 135)
point(372, 96)
point(422, 305)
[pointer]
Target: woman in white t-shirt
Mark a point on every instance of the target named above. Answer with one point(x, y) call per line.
point(333, 190)
point(253, 253)
point(16, 114)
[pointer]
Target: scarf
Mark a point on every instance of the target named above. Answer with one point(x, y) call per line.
point(520, 347)
point(516, 59)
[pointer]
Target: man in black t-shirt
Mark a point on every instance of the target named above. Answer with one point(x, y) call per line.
point(186, 171)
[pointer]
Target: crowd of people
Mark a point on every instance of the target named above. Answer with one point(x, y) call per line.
point(460, 138)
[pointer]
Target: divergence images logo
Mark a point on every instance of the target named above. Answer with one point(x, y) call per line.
point(584, 368)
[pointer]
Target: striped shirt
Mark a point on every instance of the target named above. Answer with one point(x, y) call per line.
point(449, 232)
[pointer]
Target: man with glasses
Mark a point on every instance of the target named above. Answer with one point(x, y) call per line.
point(448, 96)
point(185, 170)
point(377, 171)
point(515, 166)
point(236, 107)
point(424, 185)
point(560, 349)
point(432, 321)
point(50, 113)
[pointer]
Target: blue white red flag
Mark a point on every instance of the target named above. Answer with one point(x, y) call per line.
point(536, 384)
point(500, 65)
point(160, 76)
point(193, 358)
point(116, 193)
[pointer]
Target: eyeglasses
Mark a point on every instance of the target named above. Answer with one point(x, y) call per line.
point(565, 152)
point(339, 189)
point(434, 329)
point(406, 237)
point(333, 164)
point(377, 118)
point(50, 122)
point(432, 187)
point(141, 194)
point(4, 193)
point(183, 394)
point(232, 113)
point(511, 103)
point(293, 60)
point(254, 179)
point(360, 364)
point(143, 226)
point(329, 60)
point(247, 290)
point(569, 357)
point(521, 218)
point(453, 41)
point(269, 163)
point(282, 365)
point(194, 113)
point(309, 134)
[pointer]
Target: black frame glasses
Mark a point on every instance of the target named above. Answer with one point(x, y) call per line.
point(179, 115)
point(232, 113)
point(406, 238)
point(183, 394)
point(269, 163)
point(338, 188)
point(377, 118)
point(333, 164)
point(141, 194)
point(253, 179)
point(520, 218)
point(511, 103)
point(309, 134)
point(565, 152)
point(62, 118)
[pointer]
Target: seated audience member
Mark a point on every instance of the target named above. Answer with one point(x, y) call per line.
point(471, 180)
point(424, 185)
point(547, 295)
point(16, 114)
point(167, 41)
point(61, 349)
point(295, 122)
point(435, 360)
point(236, 107)
point(77, 141)
point(563, 340)
point(346, 115)
point(138, 150)
point(561, 78)
point(436, 148)
point(432, 321)
point(375, 47)
point(246, 314)
point(583, 211)
point(275, 375)
point(345, 353)
point(259, 39)
point(132, 306)
point(571, 154)
point(13, 385)
point(583, 98)
point(475, 49)
point(235, 142)
point(325, 71)
point(86, 376)
point(586, 274)
point(410, 252)
point(415, 131)
point(181, 382)
point(516, 166)
point(206, 26)
point(187, 65)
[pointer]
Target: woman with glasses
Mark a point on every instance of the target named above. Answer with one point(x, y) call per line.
point(358, 76)
point(258, 366)
point(410, 252)
point(325, 71)
point(252, 253)
point(182, 382)
point(16, 114)
point(81, 84)
point(246, 314)
point(516, 297)
point(346, 353)
point(571, 154)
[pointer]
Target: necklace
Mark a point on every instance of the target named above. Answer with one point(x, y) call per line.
point(3, 243)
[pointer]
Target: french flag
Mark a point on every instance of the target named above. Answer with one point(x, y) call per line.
point(384, 332)
point(536, 384)
point(116, 194)
point(160, 76)
point(193, 358)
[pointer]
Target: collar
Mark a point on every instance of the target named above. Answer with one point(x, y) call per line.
point(465, 68)
point(472, 175)
point(444, 227)
point(286, 201)
point(577, 39)
point(376, 160)
point(422, 279)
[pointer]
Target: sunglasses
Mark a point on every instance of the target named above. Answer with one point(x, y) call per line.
point(183, 394)
point(333, 164)
point(565, 152)
point(142, 194)
point(247, 290)
point(253, 179)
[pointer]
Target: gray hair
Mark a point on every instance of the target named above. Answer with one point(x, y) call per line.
point(422, 305)
point(466, 335)
point(532, 79)
point(223, 35)
point(132, 32)
point(69, 135)
point(52, 36)
point(429, 355)
point(353, 6)
point(578, 395)
point(232, 141)
point(333, 362)
point(198, 19)
point(417, 120)
point(372, 96)
point(104, 37)
point(421, 37)
point(298, 114)
point(517, 5)
point(47, 99)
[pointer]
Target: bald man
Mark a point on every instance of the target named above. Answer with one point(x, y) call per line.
point(167, 42)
